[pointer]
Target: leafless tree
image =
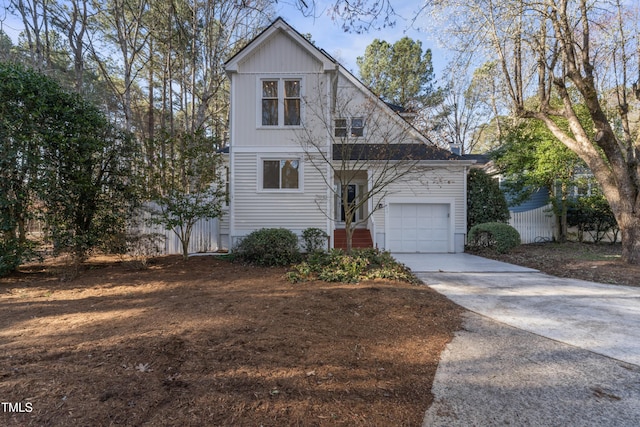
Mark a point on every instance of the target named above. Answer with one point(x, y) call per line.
point(354, 138)
point(584, 53)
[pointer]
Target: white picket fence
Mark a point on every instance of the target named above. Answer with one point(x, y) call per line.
point(534, 226)
point(204, 235)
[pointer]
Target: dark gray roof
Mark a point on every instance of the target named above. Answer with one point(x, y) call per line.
point(391, 152)
point(481, 159)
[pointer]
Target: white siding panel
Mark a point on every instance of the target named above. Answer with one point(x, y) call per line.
point(280, 54)
point(292, 210)
point(431, 182)
point(250, 134)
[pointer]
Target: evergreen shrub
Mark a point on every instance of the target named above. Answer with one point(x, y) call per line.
point(494, 235)
point(269, 247)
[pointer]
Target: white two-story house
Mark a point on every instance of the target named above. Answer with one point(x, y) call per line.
point(303, 131)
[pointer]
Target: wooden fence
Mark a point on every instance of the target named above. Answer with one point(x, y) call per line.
point(534, 226)
point(205, 234)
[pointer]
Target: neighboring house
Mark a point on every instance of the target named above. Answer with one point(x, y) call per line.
point(533, 218)
point(285, 92)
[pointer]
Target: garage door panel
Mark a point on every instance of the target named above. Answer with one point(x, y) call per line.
point(418, 227)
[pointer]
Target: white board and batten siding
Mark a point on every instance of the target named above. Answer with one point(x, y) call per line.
point(252, 207)
point(290, 57)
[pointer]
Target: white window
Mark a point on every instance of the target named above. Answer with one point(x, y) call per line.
point(281, 102)
point(269, 103)
point(281, 174)
point(353, 127)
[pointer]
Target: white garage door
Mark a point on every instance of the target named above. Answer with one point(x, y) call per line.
point(418, 227)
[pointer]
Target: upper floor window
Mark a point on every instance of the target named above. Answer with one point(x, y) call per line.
point(281, 102)
point(270, 103)
point(292, 102)
point(353, 127)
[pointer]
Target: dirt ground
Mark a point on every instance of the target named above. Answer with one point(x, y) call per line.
point(586, 261)
point(210, 343)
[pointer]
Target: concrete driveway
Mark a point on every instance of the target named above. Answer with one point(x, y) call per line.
point(535, 349)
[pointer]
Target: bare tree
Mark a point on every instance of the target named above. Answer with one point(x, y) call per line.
point(582, 53)
point(34, 18)
point(123, 25)
point(72, 18)
point(354, 138)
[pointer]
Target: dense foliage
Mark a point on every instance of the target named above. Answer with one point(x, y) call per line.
point(531, 157)
point(63, 163)
point(494, 235)
point(399, 73)
point(485, 199)
point(592, 215)
point(314, 240)
point(361, 264)
point(269, 247)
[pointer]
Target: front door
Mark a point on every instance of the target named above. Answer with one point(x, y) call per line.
point(352, 193)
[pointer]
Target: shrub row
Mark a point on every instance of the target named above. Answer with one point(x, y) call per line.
point(270, 247)
point(279, 247)
point(361, 264)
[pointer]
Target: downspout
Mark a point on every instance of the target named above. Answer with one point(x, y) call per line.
point(232, 133)
point(466, 225)
point(332, 93)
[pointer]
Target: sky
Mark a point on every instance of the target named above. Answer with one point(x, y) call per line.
point(346, 47)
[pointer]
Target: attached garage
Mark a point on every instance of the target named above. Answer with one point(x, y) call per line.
point(419, 227)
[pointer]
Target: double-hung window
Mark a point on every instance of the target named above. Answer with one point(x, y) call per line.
point(353, 127)
point(270, 103)
point(281, 102)
point(281, 174)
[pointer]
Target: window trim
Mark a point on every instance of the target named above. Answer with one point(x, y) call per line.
point(281, 101)
point(349, 127)
point(279, 157)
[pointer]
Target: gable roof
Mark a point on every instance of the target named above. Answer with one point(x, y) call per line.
point(431, 151)
point(280, 26)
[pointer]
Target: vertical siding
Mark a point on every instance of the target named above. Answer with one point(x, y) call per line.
point(535, 225)
point(204, 235)
point(248, 133)
point(290, 57)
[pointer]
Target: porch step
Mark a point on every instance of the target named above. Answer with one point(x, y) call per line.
point(361, 239)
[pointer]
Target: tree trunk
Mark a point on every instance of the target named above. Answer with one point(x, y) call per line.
point(630, 233)
point(185, 238)
point(349, 235)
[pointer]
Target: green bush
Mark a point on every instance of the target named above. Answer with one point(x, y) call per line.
point(362, 264)
point(11, 254)
point(314, 240)
point(593, 215)
point(494, 235)
point(485, 199)
point(269, 247)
